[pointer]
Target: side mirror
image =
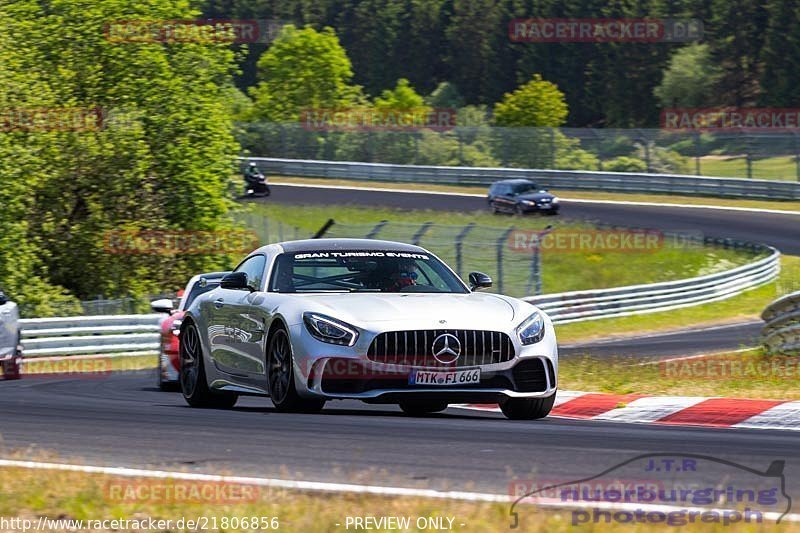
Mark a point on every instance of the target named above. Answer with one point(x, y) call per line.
point(479, 280)
point(164, 305)
point(236, 281)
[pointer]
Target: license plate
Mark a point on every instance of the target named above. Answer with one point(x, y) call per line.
point(455, 378)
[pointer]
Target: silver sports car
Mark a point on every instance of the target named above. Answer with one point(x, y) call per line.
point(315, 320)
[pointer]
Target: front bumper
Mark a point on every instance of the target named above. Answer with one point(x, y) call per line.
point(346, 373)
point(540, 208)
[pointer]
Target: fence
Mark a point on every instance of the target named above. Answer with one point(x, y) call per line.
point(521, 272)
point(730, 153)
point(556, 179)
point(781, 332)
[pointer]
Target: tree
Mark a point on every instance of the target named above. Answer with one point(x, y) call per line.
point(690, 78)
point(537, 103)
point(303, 69)
point(402, 97)
point(162, 159)
point(445, 95)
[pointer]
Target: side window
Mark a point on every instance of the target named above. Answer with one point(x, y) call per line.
point(254, 267)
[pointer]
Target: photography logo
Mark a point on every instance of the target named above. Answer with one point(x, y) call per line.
point(667, 489)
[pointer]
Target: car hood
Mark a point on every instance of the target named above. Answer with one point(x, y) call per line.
point(535, 196)
point(419, 310)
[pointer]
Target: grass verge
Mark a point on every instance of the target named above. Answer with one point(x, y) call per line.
point(567, 194)
point(33, 368)
point(740, 308)
point(747, 374)
point(31, 494)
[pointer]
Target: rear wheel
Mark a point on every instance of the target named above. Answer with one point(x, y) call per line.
point(419, 408)
point(193, 374)
point(527, 408)
point(280, 374)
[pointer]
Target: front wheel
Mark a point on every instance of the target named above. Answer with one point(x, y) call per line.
point(527, 408)
point(193, 375)
point(280, 375)
point(418, 408)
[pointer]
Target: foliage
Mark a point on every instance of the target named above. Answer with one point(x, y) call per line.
point(625, 164)
point(537, 103)
point(690, 78)
point(162, 159)
point(303, 69)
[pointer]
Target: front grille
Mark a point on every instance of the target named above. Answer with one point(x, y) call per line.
point(415, 348)
point(530, 376)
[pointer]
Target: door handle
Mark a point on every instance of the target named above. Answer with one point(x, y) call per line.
point(218, 303)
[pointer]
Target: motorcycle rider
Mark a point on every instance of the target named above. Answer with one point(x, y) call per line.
point(252, 177)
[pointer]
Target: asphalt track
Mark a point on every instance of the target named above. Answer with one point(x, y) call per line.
point(123, 420)
point(779, 230)
point(727, 338)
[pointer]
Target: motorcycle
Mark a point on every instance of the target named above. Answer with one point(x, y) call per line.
point(256, 186)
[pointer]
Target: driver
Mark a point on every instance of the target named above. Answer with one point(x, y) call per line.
point(404, 276)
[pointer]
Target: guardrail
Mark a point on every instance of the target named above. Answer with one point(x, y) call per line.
point(84, 335)
point(556, 179)
point(640, 299)
point(781, 331)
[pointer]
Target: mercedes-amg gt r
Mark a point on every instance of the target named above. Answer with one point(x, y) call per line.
point(305, 322)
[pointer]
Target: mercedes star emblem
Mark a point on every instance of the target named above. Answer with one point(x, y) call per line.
point(446, 348)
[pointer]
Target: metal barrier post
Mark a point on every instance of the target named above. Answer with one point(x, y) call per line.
point(378, 227)
point(501, 243)
point(459, 242)
point(421, 233)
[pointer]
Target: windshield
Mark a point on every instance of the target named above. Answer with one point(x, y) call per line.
point(197, 290)
point(362, 271)
point(522, 188)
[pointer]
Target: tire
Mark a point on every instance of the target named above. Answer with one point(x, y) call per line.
point(280, 377)
point(194, 385)
point(527, 408)
point(494, 208)
point(519, 211)
point(420, 408)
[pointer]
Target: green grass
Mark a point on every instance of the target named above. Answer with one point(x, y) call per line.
point(746, 306)
point(99, 366)
point(783, 168)
point(750, 374)
point(562, 271)
point(30, 494)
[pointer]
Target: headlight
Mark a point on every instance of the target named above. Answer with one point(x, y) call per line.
point(176, 327)
point(330, 330)
point(532, 330)
point(555, 200)
point(528, 202)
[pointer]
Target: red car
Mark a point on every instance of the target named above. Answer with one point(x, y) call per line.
point(168, 359)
